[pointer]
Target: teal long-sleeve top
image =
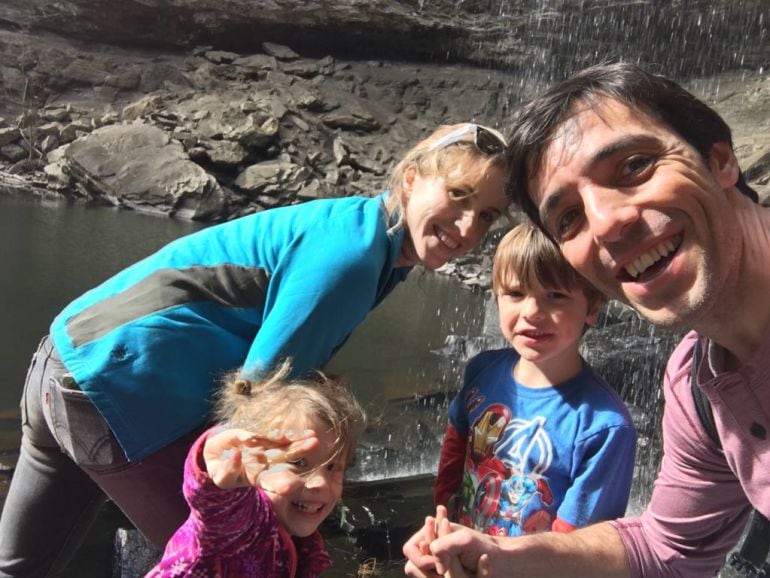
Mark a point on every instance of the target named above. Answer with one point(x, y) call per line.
point(149, 344)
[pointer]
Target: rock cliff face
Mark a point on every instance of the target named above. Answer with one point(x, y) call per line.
point(106, 110)
point(691, 35)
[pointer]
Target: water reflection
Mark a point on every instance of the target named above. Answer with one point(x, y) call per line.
point(55, 251)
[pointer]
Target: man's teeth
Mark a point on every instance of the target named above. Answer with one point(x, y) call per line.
point(448, 241)
point(642, 263)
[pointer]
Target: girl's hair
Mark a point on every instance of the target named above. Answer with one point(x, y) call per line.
point(438, 161)
point(529, 254)
point(256, 405)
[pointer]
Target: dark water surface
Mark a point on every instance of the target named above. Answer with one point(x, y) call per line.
point(52, 251)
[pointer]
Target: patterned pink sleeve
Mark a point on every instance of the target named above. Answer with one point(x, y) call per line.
point(224, 520)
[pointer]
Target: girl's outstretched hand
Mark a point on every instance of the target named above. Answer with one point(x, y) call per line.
point(236, 458)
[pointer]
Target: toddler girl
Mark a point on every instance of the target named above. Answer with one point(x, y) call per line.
point(260, 484)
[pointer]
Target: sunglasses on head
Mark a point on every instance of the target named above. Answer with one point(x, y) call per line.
point(484, 139)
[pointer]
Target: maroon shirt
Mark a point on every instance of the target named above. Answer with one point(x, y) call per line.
point(703, 495)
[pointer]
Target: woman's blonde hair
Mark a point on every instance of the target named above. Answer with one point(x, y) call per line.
point(255, 405)
point(527, 253)
point(438, 161)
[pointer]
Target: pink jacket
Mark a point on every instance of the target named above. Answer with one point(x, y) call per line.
point(234, 534)
point(703, 495)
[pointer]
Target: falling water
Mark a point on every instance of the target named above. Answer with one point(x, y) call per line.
point(692, 41)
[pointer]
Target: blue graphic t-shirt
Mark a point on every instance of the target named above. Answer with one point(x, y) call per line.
point(537, 453)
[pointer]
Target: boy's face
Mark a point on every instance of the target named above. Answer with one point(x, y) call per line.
point(544, 324)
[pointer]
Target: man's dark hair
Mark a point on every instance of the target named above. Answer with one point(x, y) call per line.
point(535, 123)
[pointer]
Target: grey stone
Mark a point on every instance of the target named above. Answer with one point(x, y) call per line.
point(256, 62)
point(13, 152)
point(225, 154)
point(221, 56)
point(134, 555)
point(256, 131)
point(9, 135)
point(137, 166)
point(268, 177)
point(280, 51)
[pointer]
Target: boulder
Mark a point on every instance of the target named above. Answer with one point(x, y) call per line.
point(137, 166)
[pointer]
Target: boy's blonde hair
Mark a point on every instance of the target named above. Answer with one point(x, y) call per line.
point(526, 252)
point(438, 161)
point(255, 405)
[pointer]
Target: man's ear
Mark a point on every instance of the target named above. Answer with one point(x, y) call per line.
point(724, 165)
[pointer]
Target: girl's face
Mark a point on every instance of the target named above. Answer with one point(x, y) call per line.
point(302, 509)
point(446, 217)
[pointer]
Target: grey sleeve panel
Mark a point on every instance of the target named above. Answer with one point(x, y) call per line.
point(225, 285)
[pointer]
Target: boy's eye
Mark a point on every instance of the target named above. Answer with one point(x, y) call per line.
point(557, 295)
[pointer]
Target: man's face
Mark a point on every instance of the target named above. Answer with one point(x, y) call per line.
point(638, 212)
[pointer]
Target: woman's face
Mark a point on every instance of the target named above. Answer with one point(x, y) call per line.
point(447, 216)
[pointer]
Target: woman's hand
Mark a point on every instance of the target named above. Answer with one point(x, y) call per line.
point(237, 458)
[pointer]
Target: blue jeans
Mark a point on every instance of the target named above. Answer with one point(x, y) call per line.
point(69, 465)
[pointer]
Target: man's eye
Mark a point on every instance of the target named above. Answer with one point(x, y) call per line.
point(635, 166)
point(567, 224)
point(298, 463)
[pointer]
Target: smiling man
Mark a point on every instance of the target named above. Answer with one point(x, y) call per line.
point(637, 182)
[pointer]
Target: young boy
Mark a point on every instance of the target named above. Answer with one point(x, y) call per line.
point(536, 439)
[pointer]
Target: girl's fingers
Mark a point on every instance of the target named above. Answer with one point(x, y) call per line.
point(278, 438)
point(279, 479)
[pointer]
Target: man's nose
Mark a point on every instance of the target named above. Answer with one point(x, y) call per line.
point(608, 212)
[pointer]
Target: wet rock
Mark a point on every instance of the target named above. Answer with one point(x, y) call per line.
point(221, 56)
point(256, 62)
point(256, 131)
point(280, 51)
point(137, 166)
point(134, 555)
point(141, 107)
point(9, 135)
point(13, 152)
point(351, 121)
point(301, 68)
point(224, 154)
point(58, 114)
point(269, 177)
